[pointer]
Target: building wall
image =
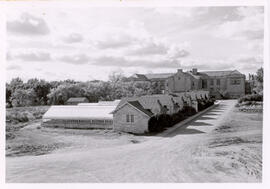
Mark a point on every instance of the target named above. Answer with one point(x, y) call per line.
point(216, 89)
point(139, 126)
point(77, 124)
point(236, 90)
point(184, 82)
point(226, 88)
point(179, 82)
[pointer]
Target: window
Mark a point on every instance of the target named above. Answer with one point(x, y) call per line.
point(218, 81)
point(204, 83)
point(127, 117)
point(132, 118)
point(179, 78)
point(235, 81)
point(211, 82)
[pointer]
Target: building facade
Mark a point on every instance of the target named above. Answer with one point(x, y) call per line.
point(131, 117)
point(220, 84)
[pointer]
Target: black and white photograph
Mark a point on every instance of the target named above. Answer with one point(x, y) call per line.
point(117, 93)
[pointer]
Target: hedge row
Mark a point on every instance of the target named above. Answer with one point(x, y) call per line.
point(205, 104)
point(159, 122)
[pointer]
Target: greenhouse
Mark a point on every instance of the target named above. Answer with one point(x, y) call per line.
point(82, 117)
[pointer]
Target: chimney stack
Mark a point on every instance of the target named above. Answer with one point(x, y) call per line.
point(179, 70)
point(194, 71)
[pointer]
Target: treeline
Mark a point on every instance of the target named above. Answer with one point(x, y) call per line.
point(36, 92)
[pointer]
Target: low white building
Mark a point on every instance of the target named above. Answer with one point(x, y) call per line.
point(81, 117)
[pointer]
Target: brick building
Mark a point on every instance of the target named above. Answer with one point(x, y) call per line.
point(220, 84)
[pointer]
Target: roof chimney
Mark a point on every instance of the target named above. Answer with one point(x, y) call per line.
point(194, 71)
point(179, 70)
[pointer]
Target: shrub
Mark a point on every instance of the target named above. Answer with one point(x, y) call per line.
point(177, 117)
point(188, 111)
point(152, 124)
point(22, 118)
point(209, 103)
point(205, 104)
point(253, 97)
point(158, 122)
point(201, 106)
point(164, 120)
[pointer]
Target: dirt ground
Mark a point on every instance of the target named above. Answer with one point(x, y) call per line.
point(222, 145)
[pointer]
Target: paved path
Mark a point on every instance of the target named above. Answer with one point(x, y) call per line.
point(167, 159)
point(205, 122)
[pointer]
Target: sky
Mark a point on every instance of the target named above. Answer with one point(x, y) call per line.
point(88, 43)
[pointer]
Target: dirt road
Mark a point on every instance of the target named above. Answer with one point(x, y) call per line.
point(186, 155)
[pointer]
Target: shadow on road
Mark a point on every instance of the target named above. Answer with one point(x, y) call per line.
point(199, 123)
point(185, 131)
point(205, 117)
point(202, 121)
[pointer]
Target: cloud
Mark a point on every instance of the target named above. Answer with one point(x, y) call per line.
point(73, 38)
point(109, 36)
point(250, 27)
point(115, 41)
point(9, 56)
point(51, 74)
point(184, 12)
point(75, 59)
point(14, 67)
point(135, 62)
point(34, 56)
point(176, 52)
point(211, 64)
point(249, 62)
point(149, 48)
point(28, 25)
point(256, 46)
point(241, 63)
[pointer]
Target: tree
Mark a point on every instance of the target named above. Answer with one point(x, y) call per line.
point(259, 81)
point(259, 75)
point(155, 88)
point(23, 97)
point(115, 77)
point(8, 95)
point(16, 83)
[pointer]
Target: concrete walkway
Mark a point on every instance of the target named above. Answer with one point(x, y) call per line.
point(204, 123)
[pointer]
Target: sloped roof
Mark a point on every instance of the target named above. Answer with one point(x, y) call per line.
point(158, 75)
point(148, 101)
point(79, 112)
point(137, 105)
point(77, 99)
point(197, 76)
point(88, 104)
point(101, 103)
point(140, 76)
point(221, 73)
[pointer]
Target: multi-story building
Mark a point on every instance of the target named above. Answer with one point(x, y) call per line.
point(220, 84)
